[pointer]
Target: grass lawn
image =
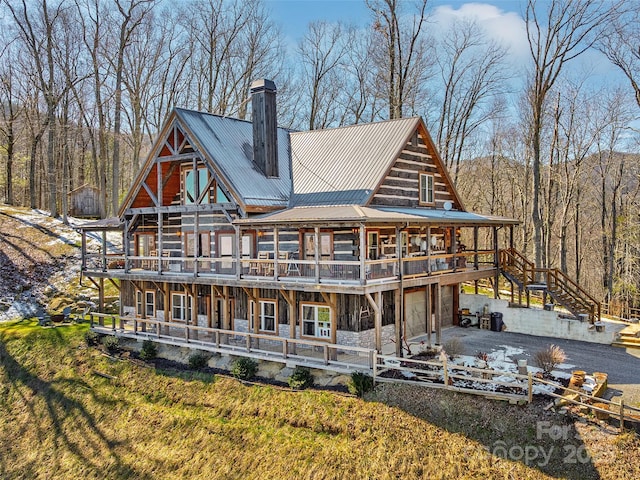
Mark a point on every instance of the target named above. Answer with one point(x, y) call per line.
point(58, 419)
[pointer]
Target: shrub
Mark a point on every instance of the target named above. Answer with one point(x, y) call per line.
point(91, 338)
point(149, 350)
point(198, 360)
point(549, 358)
point(453, 347)
point(360, 384)
point(244, 368)
point(111, 343)
point(301, 378)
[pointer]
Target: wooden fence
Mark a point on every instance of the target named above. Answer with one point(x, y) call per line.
point(444, 375)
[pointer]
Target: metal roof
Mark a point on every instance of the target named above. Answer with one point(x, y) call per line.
point(450, 216)
point(357, 214)
point(344, 165)
point(111, 223)
point(228, 142)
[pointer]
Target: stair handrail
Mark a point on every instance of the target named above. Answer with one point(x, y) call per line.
point(518, 260)
point(512, 257)
point(576, 290)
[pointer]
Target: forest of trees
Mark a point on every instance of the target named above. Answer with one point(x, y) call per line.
point(86, 84)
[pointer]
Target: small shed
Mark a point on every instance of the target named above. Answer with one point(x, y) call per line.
point(84, 202)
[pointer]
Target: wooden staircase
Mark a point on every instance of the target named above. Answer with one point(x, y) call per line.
point(551, 281)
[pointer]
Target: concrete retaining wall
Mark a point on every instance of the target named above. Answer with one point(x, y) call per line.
point(543, 323)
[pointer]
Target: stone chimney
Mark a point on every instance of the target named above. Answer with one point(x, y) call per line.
point(265, 126)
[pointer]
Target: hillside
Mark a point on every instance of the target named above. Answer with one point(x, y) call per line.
point(39, 263)
point(67, 411)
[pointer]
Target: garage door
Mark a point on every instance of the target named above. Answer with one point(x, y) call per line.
point(415, 307)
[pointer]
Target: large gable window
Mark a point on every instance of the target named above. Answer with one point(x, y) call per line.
point(426, 189)
point(194, 186)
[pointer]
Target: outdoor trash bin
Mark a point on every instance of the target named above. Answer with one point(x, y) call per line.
point(496, 322)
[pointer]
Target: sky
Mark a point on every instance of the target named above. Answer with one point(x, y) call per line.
point(502, 20)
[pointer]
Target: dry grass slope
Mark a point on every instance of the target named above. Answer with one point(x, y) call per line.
point(59, 420)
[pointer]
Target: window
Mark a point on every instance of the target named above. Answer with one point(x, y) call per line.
point(150, 304)
point(180, 310)
point(192, 188)
point(193, 191)
point(220, 196)
point(145, 244)
point(426, 189)
point(267, 313)
point(316, 321)
point(139, 304)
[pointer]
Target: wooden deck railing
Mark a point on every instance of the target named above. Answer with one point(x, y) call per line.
point(311, 353)
point(347, 271)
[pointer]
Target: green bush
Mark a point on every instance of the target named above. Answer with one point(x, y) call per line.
point(110, 343)
point(198, 360)
point(360, 384)
point(244, 368)
point(301, 378)
point(91, 338)
point(149, 350)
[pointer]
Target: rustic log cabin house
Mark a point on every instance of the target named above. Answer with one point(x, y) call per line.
point(242, 235)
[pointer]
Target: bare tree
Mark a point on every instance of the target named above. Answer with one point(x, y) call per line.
point(10, 111)
point(473, 73)
point(619, 40)
point(322, 51)
point(132, 14)
point(556, 36)
point(37, 30)
point(401, 58)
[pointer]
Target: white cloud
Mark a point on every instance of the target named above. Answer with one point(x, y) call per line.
point(505, 27)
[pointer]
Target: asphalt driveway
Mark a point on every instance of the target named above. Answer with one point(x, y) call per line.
point(622, 365)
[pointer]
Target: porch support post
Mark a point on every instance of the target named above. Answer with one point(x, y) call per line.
point(454, 247)
point(438, 301)
point(160, 215)
point(397, 301)
point(496, 263)
point(290, 298)
point(126, 245)
point(167, 306)
point(239, 254)
point(475, 255)
point(429, 248)
point(316, 238)
point(101, 295)
point(363, 256)
point(428, 309)
point(378, 318)
point(104, 250)
point(211, 309)
point(276, 253)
